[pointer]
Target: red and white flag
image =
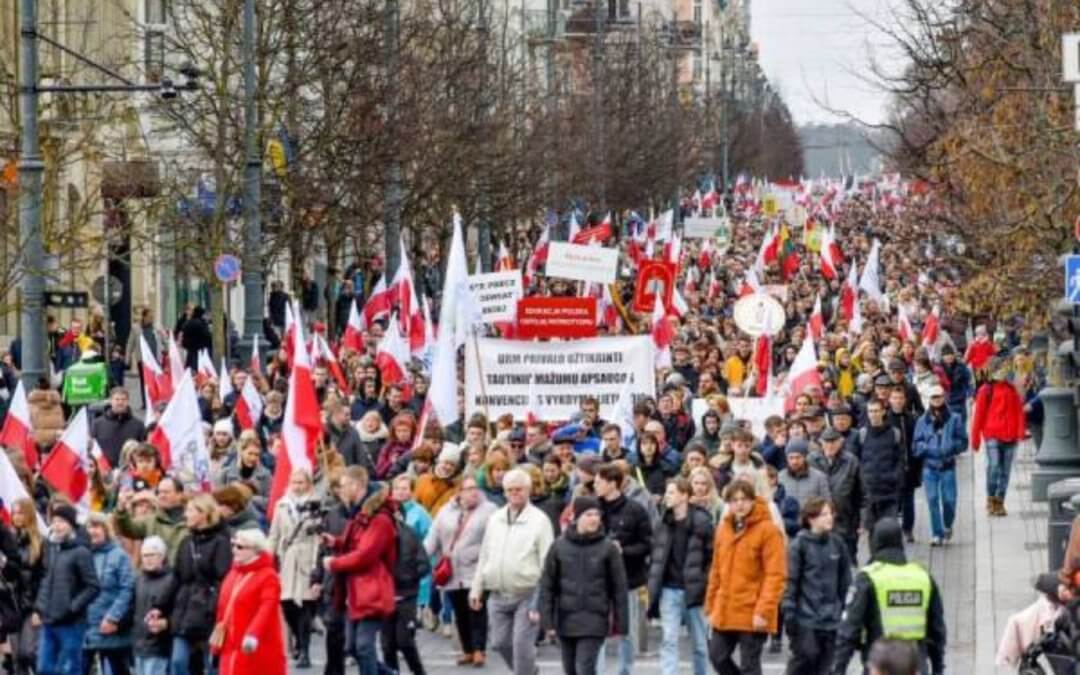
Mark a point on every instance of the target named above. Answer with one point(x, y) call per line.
point(830, 262)
point(392, 356)
point(607, 314)
point(158, 384)
point(176, 364)
point(750, 284)
point(249, 405)
point(596, 234)
point(534, 411)
point(903, 325)
point(178, 435)
point(713, 289)
point(673, 249)
point(538, 257)
point(17, 433)
point(301, 426)
point(505, 261)
point(225, 385)
point(98, 455)
point(353, 337)
point(256, 362)
point(378, 305)
point(817, 320)
point(207, 372)
point(763, 361)
point(575, 228)
point(12, 491)
point(837, 253)
point(66, 468)
point(931, 331)
point(326, 354)
point(870, 280)
point(662, 334)
point(849, 293)
point(804, 372)
point(287, 342)
point(453, 327)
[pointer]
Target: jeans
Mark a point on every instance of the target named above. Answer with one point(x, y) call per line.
point(580, 655)
point(190, 657)
point(511, 633)
point(907, 509)
point(60, 650)
point(113, 661)
point(811, 651)
point(673, 614)
point(940, 486)
point(471, 624)
point(999, 457)
point(362, 636)
point(722, 647)
point(399, 635)
point(151, 665)
point(628, 644)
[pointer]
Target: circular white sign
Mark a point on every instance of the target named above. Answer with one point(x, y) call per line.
point(759, 314)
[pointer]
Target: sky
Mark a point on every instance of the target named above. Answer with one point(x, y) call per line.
point(814, 51)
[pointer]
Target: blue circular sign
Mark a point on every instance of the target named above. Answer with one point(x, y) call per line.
point(227, 268)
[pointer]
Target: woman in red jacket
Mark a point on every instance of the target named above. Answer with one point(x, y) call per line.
point(998, 420)
point(248, 611)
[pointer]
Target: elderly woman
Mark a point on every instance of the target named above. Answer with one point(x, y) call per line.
point(433, 490)
point(107, 635)
point(373, 433)
point(294, 540)
point(247, 631)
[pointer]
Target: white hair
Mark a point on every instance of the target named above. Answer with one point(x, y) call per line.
point(254, 539)
point(517, 478)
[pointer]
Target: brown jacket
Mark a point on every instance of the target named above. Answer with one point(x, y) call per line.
point(749, 570)
point(433, 493)
point(46, 416)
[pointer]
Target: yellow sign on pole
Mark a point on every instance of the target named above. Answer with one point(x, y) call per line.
point(770, 206)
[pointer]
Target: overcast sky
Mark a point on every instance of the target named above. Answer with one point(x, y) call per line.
point(817, 49)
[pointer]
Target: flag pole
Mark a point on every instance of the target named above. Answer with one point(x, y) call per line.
point(480, 372)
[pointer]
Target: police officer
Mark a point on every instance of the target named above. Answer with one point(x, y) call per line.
point(892, 598)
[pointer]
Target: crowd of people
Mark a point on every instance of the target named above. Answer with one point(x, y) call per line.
point(502, 534)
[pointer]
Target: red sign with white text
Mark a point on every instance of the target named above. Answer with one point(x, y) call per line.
point(654, 276)
point(556, 318)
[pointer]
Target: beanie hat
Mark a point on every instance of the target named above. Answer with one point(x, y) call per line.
point(224, 425)
point(68, 513)
point(589, 464)
point(797, 446)
point(450, 453)
point(585, 503)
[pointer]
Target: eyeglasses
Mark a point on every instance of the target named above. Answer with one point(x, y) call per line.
point(240, 547)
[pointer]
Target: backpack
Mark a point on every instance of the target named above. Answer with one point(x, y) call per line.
point(412, 560)
point(864, 431)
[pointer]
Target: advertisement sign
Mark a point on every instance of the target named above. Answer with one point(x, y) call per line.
point(582, 263)
point(565, 318)
point(497, 294)
point(498, 374)
point(654, 276)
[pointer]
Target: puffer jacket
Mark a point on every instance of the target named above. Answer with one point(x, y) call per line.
point(114, 601)
point(883, 463)
point(70, 583)
point(153, 590)
point(111, 431)
point(583, 590)
point(845, 486)
point(819, 573)
point(628, 523)
point(364, 558)
point(202, 562)
point(748, 571)
point(699, 552)
point(260, 477)
point(46, 416)
point(938, 445)
point(465, 553)
point(347, 442)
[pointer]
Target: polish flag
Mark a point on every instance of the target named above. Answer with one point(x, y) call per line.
point(290, 332)
point(538, 257)
point(505, 262)
point(903, 325)
point(710, 199)
point(870, 281)
point(159, 386)
point(378, 305)
point(392, 356)
point(301, 426)
point(249, 405)
point(712, 290)
point(673, 249)
point(17, 433)
point(598, 233)
point(804, 372)
point(178, 435)
point(607, 314)
point(66, 469)
point(176, 364)
point(750, 284)
point(767, 251)
point(678, 307)
point(856, 325)
point(453, 327)
point(662, 334)
point(763, 361)
point(849, 294)
point(403, 291)
point(817, 320)
point(836, 253)
point(256, 362)
point(830, 262)
point(665, 226)
point(327, 354)
point(206, 369)
point(98, 455)
point(12, 491)
point(353, 338)
point(428, 352)
point(534, 410)
point(575, 228)
point(705, 256)
point(931, 331)
point(225, 385)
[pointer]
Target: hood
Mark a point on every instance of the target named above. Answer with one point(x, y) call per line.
point(583, 539)
point(377, 497)
point(244, 520)
point(887, 542)
point(210, 532)
point(380, 434)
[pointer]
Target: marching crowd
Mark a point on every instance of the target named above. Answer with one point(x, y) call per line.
point(504, 533)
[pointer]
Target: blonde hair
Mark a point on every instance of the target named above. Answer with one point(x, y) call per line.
point(247, 437)
point(204, 503)
point(30, 527)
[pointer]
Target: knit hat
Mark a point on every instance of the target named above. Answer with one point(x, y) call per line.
point(68, 513)
point(231, 496)
point(585, 503)
point(947, 350)
point(797, 446)
point(154, 544)
point(224, 425)
point(450, 453)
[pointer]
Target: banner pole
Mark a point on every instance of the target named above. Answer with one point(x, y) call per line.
point(480, 372)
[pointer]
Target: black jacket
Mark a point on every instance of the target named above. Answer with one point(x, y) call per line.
point(653, 477)
point(347, 442)
point(153, 590)
point(275, 306)
point(552, 505)
point(845, 488)
point(196, 337)
point(882, 459)
point(627, 522)
point(202, 562)
point(861, 624)
point(70, 583)
point(698, 557)
point(111, 431)
point(905, 424)
point(583, 584)
point(819, 573)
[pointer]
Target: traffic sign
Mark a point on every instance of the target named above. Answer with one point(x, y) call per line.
point(1072, 278)
point(227, 268)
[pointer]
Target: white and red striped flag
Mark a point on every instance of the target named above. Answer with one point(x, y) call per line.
point(178, 435)
point(817, 320)
point(505, 261)
point(931, 331)
point(176, 363)
point(903, 325)
point(225, 385)
point(207, 371)
point(849, 294)
point(804, 372)
point(662, 334)
point(249, 405)
point(158, 383)
point(12, 491)
point(392, 356)
point(538, 257)
point(18, 433)
point(66, 468)
point(326, 354)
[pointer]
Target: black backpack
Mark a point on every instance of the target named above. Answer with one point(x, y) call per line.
point(412, 560)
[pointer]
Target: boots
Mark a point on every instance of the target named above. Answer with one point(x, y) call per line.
point(304, 659)
point(991, 506)
point(1001, 507)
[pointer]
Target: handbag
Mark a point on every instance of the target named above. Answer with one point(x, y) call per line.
point(217, 636)
point(444, 569)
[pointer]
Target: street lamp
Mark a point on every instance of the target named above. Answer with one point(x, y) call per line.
point(31, 168)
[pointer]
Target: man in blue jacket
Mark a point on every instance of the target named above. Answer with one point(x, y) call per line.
point(939, 437)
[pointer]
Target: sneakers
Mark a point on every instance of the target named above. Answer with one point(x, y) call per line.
point(428, 619)
point(447, 630)
point(935, 541)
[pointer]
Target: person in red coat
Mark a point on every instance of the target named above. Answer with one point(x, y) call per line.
point(363, 563)
point(248, 608)
point(998, 419)
point(980, 351)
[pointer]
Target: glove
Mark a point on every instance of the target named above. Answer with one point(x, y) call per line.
point(250, 644)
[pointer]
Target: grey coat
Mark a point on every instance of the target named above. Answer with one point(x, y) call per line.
point(811, 483)
point(465, 553)
point(70, 583)
point(294, 539)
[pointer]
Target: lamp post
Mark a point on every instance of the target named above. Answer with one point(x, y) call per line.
point(392, 191)
point(31, 167)
point(252, 265)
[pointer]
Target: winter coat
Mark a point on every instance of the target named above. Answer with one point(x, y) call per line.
point(711, 442)
point(628, 523)
point(551, 504)
point(113, 601)
point(699, 552)
point(46, 416)
point(433, 492)
point(246, 518)
point(420, 523)
point(583, 592)
point(252, 590)
point(938, 448)
point(170, 527)
point(260, 477)
point(294, 541)
point(654, 476)
point(370, 444)
point(388, 456)
point(748, 572)
point(512, 554)
point(845, 487)
point(153, 590)
point(806, 484)
point(111, 431)
point(29, 574)
point(360, 407)
point(70, 583)
point(347, 442)
point(465, 553)
point(201, 563)
point(959, 383)
point(195, 337)
point(819, 573)
point(678, 429)
point(905, 423)
point(364, 558)
point(998, 415)
point(788, 508)
point(882, 462)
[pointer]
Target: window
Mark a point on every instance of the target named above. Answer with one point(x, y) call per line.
point(156, 12)
point(697, 12)
point(698, 70)
point(154, 57)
